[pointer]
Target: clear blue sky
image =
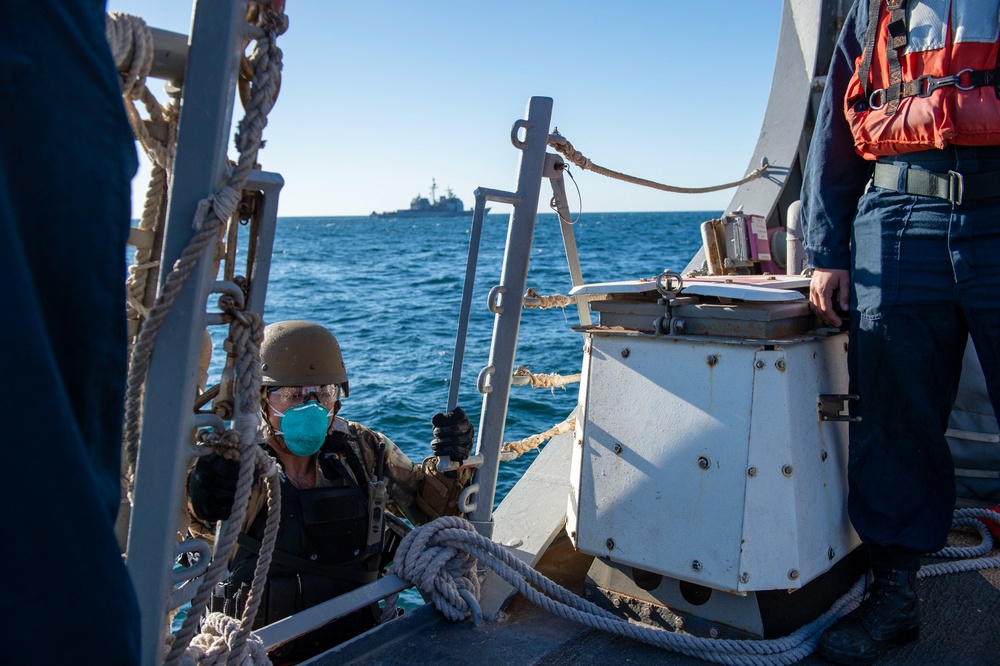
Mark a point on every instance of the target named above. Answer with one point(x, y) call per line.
point(378, 97)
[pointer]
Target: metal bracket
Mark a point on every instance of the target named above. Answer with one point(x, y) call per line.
point(833, 405)
point(467, 501)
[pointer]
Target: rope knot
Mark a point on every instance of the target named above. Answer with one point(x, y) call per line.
point(217, 639)
point(434, 558)
point(131, 45)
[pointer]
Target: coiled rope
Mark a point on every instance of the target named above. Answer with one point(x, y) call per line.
point(562, 145)
point(219, 631)
point(424, 559)
point(131, 45)
point(441, 566)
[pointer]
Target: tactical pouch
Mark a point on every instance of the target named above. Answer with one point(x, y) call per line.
point(395, 530)
point(438, 494)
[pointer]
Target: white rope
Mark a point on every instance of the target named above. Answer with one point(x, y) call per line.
point(455, 537)
point(523, 377)
point(214, 643)
point(562, 145)
point(532, 299)
point(132, 48)
point(439, 568)
point(246, 334)
point(211, 215)
point(513, 450)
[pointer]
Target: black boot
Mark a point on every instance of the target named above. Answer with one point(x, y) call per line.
point(888, 616)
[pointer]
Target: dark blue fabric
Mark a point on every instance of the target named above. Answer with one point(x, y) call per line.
point(835, 175)
point(925, 275)
point(66, 162)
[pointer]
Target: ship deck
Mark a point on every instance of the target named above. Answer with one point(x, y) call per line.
point(960, 627)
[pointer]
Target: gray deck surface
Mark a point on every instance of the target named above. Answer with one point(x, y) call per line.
point(961, 627)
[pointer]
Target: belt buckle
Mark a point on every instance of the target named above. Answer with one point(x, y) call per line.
point(956, 187)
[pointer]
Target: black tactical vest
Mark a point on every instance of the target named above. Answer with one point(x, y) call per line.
point(319, 554)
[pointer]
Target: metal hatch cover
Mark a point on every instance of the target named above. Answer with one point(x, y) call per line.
point(759, 288)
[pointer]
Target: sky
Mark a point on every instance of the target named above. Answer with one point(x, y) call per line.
point(379, 97)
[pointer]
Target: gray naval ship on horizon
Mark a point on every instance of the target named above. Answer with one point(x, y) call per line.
point(447, 206)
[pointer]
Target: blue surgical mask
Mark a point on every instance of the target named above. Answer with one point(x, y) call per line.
point(304, 427)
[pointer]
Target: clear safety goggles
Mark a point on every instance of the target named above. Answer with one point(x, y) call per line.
point(284, 397)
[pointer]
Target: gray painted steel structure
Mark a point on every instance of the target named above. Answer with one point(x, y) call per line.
point(507, 322)
point(213, 61)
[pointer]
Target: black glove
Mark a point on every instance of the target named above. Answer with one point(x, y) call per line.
point(452, 435)
point(211, 487)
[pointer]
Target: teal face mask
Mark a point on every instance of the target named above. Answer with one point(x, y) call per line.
point(304, 427)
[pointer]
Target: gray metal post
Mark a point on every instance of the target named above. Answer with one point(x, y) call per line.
point(270, 184)
point(507, 308)
point(569, 240)
point(206, 114)
point(482, 196)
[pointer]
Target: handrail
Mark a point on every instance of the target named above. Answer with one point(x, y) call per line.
point(530, 136)
point(305, 621)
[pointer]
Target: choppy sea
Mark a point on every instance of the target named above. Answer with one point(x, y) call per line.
point(390, 290)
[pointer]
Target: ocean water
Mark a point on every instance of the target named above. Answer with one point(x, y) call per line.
point(390, 290)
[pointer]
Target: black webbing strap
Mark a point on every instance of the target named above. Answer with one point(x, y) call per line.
point(897, 41)
point(953, 186)
point(967, 79)
point(996, 79)
point(898, 90)
point(874, 7)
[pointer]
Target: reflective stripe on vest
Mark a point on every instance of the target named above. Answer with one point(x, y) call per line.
point(947, 88)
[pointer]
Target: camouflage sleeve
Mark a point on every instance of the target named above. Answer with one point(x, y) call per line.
point(418, 492)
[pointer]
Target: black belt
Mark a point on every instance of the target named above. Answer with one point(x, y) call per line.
point(951, 186)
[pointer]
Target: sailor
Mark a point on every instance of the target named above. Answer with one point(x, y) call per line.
point(902, 226)
point(65, 179)
point(337, 475)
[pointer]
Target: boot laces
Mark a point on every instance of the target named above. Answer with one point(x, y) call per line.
point(876, 593)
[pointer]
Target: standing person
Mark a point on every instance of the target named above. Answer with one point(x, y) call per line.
point(902, 226)
point(327, 464)
point(65, 179)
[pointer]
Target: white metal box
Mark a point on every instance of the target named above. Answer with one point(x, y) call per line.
point(706, 460)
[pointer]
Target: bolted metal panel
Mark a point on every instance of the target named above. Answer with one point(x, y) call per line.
point(796, 505)
point(672, 500)
point(705, 460)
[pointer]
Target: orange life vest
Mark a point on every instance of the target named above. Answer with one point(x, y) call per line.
point(930, 96)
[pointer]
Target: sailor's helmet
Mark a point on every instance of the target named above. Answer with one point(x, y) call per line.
point(301, 353)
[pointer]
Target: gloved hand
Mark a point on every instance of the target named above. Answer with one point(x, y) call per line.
point(453, 435)
point(211, 487)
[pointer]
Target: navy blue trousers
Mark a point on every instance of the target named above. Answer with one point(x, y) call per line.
point(66, 163)
point(926, 275)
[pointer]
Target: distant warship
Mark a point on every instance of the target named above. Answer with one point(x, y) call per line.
point(447, 206)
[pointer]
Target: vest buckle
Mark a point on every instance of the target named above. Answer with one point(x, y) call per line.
point(956, 187)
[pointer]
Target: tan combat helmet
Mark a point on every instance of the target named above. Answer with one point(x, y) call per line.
point(301, 353)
